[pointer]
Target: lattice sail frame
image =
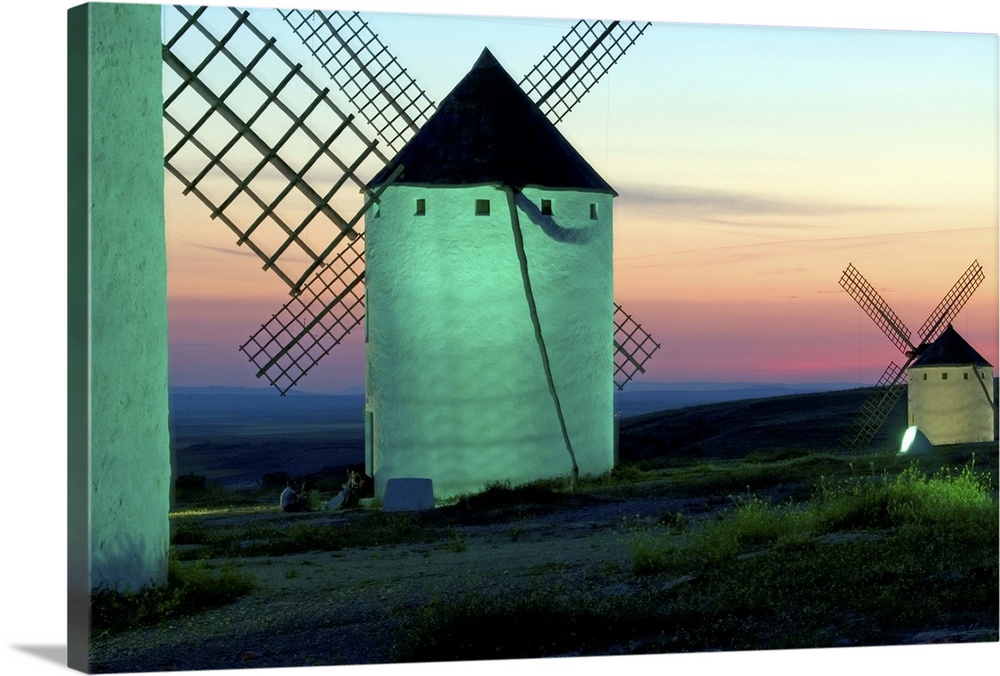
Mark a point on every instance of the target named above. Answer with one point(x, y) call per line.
point(875, 307)
point(577, 63)
point(365, 71)
point(305, 329)
point(633, 347)
point(328, 298)
point(950, 305)
point(241, 121)
point(876, 408)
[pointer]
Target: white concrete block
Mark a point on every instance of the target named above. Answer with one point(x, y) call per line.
point(408, 495)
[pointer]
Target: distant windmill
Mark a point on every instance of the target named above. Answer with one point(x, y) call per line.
point(876, 408)
point(233, 81)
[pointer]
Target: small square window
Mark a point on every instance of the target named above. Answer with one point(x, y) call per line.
point(546, 207)
point(421, 206)
point(944, 376)
point(925, 376)
point(482, 207)
point(966, 376)
point(593, 211)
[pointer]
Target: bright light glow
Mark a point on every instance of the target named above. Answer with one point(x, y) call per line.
point(908, 437)
point(914, 441)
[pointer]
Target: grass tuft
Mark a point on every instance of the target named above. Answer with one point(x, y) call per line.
point(850, 566)
point(190, 589)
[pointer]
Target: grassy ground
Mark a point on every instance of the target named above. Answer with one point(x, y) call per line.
point(782, 548)
point(872, 556)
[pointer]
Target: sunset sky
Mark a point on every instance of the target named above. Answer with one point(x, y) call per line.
point(753, 164)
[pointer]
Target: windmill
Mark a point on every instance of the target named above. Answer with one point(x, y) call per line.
point(233, 81)
point(327, 280)
point(889, 387)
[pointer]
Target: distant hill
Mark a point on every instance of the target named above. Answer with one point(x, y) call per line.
point(646, 397)
point(234, 436)
point(735, 428)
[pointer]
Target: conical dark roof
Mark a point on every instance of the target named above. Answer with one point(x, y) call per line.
point(488, 131)
point(950, 349)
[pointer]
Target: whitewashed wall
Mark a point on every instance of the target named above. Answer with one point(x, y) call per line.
point(953, 410)
point(455, 382)
point(121, 332)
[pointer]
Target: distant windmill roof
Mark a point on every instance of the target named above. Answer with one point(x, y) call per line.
point(487, 130)
point(950, 349)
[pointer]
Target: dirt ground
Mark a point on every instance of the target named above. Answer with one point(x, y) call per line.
point(343, 607)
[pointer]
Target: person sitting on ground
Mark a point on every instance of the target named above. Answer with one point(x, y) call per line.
point(309, 498)
point(349, 496)
point(289, 500)
point(366, 488)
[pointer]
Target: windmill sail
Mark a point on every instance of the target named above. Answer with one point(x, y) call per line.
point(305, 329)
point(577, 63)
point(876, 407)
point(633, 347)
point(952, 302)
point(875, 306)
point(364, 69)
point(243, 119)
point(327, 283)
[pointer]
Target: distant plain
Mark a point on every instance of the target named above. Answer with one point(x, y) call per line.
point(233, 436)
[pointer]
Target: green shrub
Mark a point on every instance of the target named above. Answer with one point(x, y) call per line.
point(189, 589)
point(190, 534)
point(958, 498)
point(752, 525)
point(675, 520)
point(947, 497)
point(650, 554)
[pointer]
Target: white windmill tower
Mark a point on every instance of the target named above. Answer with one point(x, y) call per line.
point(489, 306)
point(950, 395)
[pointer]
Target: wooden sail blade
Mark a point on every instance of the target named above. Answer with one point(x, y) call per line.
point(364, 69)
point(633, 347)
point(577, 63)
point(262, 146)
point(951, 304)
point(875, 307)
point(876, 408)
point(311, 324)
